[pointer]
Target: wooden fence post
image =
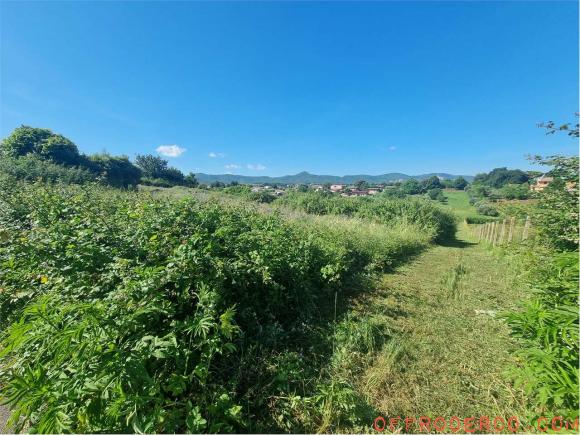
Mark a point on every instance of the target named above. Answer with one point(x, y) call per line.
point(494, 233)
point(479, 233)
point(511, 232)
point(502, 234)
point(526, 228)
point(485, 231)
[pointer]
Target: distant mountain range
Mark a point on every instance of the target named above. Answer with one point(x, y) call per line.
point(308, 178)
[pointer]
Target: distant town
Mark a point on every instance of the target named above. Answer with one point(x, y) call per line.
point(358, 189)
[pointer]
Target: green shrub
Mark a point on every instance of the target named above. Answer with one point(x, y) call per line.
point(515, 191)
point(555, 216)
point(479, 219)
point(547, 329)
point(436, 194)
point(261, 197)
point(547, 324)
point(33, 168)
point(439, 224)
point(156, 182)
point(486, 209)
point(123, 312)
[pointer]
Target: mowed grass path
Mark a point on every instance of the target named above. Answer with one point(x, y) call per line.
point(458, 201)
point(448, 348)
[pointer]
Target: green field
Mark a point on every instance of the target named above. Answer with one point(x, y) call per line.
point(458, 201)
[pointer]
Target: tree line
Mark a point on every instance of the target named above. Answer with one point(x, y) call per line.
point(39, 153)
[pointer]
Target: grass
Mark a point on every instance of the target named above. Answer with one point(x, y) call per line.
point(458, 201)
point(448, 351)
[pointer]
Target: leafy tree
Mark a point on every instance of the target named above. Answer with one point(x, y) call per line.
point(436, 194)
point(448, 184)
point(117, 171)
point(514, 191)
point(24, 140)
point(460, 183)
point(361, 184)
point(152, 166)
point(534, 174)
point(411, 187)
point(217, 185)
point(158, 172)
point(570, 128)
point(59, 149)
point(499, 177)
point(174, 176)
point(431, 183)
point(190, 180)
point(29, 140)
point(556, 216)
point(477, 192)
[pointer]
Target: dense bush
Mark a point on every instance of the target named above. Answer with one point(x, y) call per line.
point(261, 197)
point(156, 182)
point(436, 222)
point(486, 209)
point(32, 168)
point(320, 203)
point(157, 172)
point(555, 216)
point(547, 325)
point(42, 142)
point(514, 191)
point(459, 183)
point(393, 192)
point(122, 312)
point(431, 183)
point(479, 219)
point(499, 177)
point(116, 171)
point(411, 187)
point(436, 194)
point(547, 328)
point(244, 191)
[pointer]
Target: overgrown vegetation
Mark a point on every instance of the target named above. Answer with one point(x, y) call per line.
point(497, 185)
point(547, 325)
point(122, 312)
point(435, 221)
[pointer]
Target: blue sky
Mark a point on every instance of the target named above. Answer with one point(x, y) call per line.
point(277, 88)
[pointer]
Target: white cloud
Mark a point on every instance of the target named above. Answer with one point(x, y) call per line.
point(232, 166)
point(216, 155)
point(392, 148)
point(170, 150)
point(257, 167)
